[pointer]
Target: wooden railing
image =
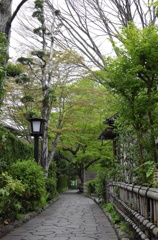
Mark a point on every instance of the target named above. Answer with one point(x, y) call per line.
point(137, 205)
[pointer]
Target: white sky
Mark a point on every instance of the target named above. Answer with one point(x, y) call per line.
point(16, 48)
point(15, 41)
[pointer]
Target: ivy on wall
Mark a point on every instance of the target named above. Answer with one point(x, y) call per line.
point(12, 149)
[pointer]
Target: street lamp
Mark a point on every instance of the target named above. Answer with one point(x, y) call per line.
point(37, 127)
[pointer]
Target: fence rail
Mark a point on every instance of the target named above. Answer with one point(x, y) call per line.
point(138, 205)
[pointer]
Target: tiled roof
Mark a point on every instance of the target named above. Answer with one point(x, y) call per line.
point(9, 126)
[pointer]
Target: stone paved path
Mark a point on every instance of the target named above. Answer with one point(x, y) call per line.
point(72, 217)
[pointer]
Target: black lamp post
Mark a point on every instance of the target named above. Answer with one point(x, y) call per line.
point(37, 127)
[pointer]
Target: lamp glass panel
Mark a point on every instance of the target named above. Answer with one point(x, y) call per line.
point(36, 126)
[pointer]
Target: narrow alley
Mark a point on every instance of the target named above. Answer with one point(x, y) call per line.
point(72, 217)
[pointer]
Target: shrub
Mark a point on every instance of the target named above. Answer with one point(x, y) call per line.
point(62, 182)
point(51, 188)
point(91, 186)
point(51, 181)
point(10, 191)
point(52, 170)
point(100, 185)
point(115, 218)
point(13, 70)
point(32, 176)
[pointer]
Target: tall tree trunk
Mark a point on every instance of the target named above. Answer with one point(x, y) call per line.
point(6, 17)
point(46, 104)
point(151, 121)
point(140, 151)
point(5, 14)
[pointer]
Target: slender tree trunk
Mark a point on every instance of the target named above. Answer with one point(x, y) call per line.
point(54, 144)
point(140, 148)
point(6, 18)
point(5, 14)
point(140, 151)
point(153, 144)
point(46, 106)
point(151, 121)
point(81, 174)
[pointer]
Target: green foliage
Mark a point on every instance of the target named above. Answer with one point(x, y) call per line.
point(32, 177)
point(149, 169)
point(52, 170)
point(39, 11)
point(127, 228)
point(39, 3)
point(132, 77)
point(62, 183)
point(111, 170)
point(100, 185)
point(3, 49)
point(91, 186)
point(39, 54)
point(12, 149)
point(129, 74)
point(51, 181)
point(52, 95)
point(23, 78)
point(30, 114)
point(51, 188)
point(39, 16)
point(109, 207)
point(116, 219)
point(3, 60)
point(83, 117)
point(11, 191)
point(25, 61)
point(39, 31)
point(124, 226)
point(13, 70)
point(27, 98)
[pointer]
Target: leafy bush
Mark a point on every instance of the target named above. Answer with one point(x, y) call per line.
point(52, 170)
point(51, 181)
point(32, 176)
point(100, 185)
point(115, 218)
point(91, 186)
point(51, 188)
point(13, 70)
point(10, 192)
point(62, 182)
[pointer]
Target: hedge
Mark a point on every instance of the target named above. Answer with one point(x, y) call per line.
point(12, 149)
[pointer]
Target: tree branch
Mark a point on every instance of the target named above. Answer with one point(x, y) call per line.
point(73, 151)
point(9, 22)
point(90, 163)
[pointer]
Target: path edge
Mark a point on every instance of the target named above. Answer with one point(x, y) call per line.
point(121, 235)
point(8, 228)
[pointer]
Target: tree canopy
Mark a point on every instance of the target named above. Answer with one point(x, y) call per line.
point(66, 45)
point(133, 77)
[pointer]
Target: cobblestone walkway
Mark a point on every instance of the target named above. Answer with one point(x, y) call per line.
point(72, 217)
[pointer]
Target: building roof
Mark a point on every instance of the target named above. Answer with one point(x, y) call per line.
point(110, 121)
point(107, 134)
point(9, 126)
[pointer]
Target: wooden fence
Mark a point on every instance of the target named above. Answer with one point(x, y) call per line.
point(137, 205)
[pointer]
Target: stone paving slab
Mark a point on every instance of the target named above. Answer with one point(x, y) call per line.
point(72, 217)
